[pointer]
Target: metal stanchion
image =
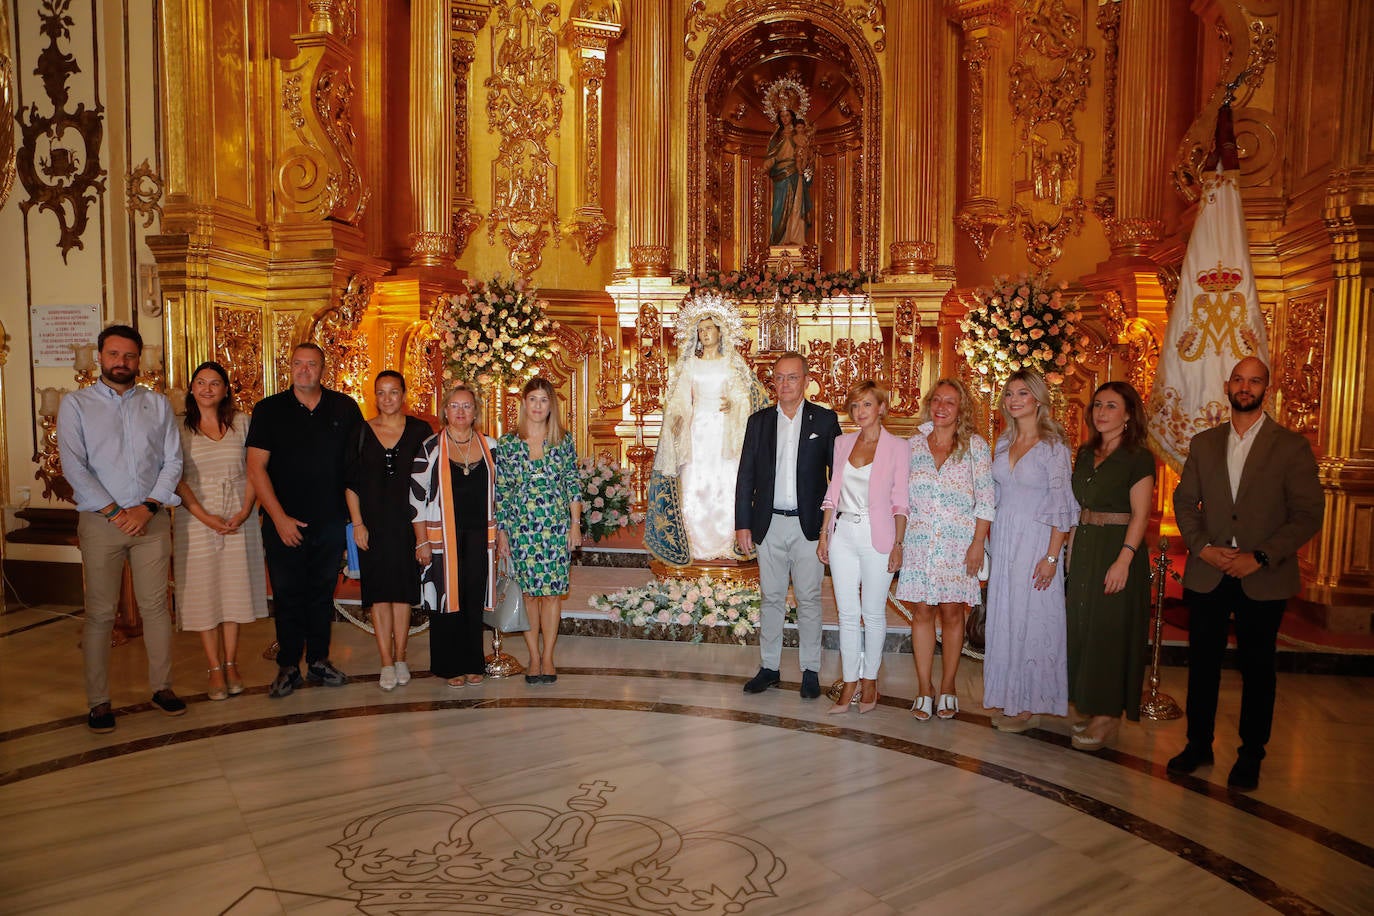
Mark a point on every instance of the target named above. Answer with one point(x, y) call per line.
point(1159, 706)
point(499, 664)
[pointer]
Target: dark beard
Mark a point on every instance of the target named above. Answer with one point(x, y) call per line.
point(120, 375)
point(1253, 406)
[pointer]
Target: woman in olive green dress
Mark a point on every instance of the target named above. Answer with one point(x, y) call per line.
point(1108, 579)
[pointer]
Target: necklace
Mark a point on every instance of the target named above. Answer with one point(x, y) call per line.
point(463, 461)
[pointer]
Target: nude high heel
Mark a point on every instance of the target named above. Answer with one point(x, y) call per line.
point(873, 704)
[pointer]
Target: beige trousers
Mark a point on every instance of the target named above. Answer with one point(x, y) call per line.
point(104, 551)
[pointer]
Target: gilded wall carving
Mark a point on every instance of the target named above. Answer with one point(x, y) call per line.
point(8, 100)
point(283, 339)
point(1250, 42)
point(1109, 24)
point(524, 106)
point(908, 359)
point(339, 333)
point(420, 365)
point(698, 23)
point(143, 193)
point(238, 347)
point(978, 217)
point(345, 195)
point(1303, 363)
point(589, 39)
point(1048, 84)
point(1138, 340)
point(317, 172)
point(466, 20)
point(58, 161)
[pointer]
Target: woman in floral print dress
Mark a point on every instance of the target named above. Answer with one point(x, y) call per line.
point(951, 497)
point(539, 517)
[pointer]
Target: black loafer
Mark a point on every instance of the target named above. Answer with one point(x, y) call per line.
point(533, 679)
point(101, 719)
point(548, 678)
point(285, 683)
point(811, 685)
point(1188, 760)
point(767, 677)
point(169, 702)
point(1244, 775)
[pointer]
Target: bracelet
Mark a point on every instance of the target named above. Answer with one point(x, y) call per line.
point(1129, 547)
point(112, 513)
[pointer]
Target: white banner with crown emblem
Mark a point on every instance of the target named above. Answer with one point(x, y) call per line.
point(1215, 323)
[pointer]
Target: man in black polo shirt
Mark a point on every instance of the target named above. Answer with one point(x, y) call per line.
point(296, 445)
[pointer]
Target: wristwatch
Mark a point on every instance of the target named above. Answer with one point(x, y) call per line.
point(1051, 559)
point(152, 505)
point(1261, 558)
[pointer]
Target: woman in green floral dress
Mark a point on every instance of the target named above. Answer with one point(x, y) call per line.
point(539, 517)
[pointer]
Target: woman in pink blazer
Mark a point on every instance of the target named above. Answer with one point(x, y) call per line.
point(861, 537)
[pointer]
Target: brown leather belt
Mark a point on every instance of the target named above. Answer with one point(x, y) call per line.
point(1092, 517)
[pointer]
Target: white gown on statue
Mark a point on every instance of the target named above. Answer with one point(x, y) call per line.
point(708, 479)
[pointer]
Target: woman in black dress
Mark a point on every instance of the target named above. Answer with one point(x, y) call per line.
point(379, 464)
point(452, 498)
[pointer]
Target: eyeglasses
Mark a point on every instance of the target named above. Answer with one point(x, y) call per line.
point(790, 377)
point(459, 405)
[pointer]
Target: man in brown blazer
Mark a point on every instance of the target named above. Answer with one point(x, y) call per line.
point(1247, 500)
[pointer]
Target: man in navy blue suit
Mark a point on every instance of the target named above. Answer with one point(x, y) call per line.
point(784, 468)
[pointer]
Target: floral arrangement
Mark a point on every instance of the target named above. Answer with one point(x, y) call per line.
point(807, 284)
point(676, 605)
point(492, 332)
point(605, 498)
point(1024, 323)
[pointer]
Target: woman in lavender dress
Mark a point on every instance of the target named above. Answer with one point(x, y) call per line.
point(1025, 668)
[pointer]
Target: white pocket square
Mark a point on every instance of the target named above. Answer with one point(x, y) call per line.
point(813, 436)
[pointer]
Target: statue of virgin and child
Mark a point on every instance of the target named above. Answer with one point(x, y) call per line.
point(711, 393)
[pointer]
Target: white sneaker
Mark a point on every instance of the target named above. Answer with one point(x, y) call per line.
point(387, 681)
point(402, 674)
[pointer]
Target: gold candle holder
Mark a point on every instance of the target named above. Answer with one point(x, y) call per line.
point(500, 664)
point(1157, 706)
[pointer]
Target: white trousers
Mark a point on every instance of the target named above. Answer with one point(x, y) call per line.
point(859, 573)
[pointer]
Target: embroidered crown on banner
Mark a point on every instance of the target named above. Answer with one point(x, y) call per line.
point(530, 858)
point(1220, 279)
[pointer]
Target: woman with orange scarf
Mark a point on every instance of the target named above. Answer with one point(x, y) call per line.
point(452, 500)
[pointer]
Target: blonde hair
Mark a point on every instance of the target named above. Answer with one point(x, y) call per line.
point(1047, 427)
point(867, 386)
point(556, 430)
point(477, 411)
point(965, 423)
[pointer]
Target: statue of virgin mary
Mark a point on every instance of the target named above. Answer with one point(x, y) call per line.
point(711, 393)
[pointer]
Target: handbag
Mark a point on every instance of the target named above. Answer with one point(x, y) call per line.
point(507, 612)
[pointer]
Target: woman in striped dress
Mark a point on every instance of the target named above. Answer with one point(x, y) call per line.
point(221, 582)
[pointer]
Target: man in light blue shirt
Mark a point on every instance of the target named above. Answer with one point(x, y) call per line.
point(121, 452)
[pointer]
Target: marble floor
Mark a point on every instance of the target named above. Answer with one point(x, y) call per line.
point(645, 781)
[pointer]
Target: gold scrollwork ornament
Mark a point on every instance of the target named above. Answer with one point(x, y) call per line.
point(144, 193)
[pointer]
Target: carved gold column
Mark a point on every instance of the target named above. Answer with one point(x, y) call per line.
point(1342, 555)
point(917, 124)
point(588, 40)
point(467, 19)
point(1141, 154)
point(431, 139)
point(650, 149)
point(989, 120)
